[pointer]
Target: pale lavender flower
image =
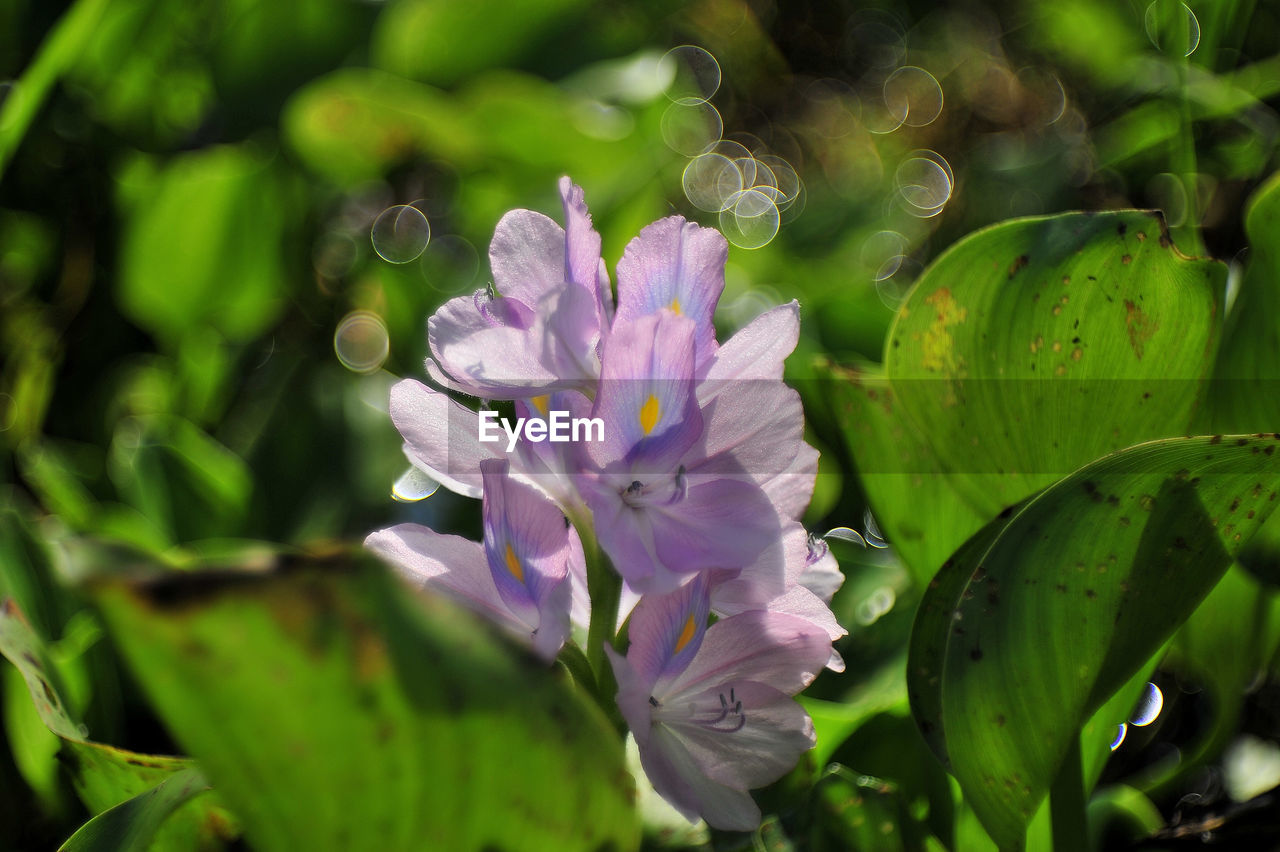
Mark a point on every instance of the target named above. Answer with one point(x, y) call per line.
point(678, 266)
point(519, 577)
point(812, 577)
point(711, 708)
point(541, 327)
point(669, 497)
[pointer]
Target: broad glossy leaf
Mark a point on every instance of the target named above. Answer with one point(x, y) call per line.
point(1025, 351)
point(1245, 395)
point(335, 709)
point(933, 629)
point(1035, 346)
point(914, 501)
point(134, 824)
point(1069, 600)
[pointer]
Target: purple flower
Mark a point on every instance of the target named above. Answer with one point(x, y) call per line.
point(677, 266)
point(812, 577)
point(670, 498)
point(694, 491)
point(541, 326)
point(519, 577)
point(711, 708)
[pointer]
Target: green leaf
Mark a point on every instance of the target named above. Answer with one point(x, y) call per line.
point(1025, 351)
point(443, 42)
point(355, 124)
point(1018, 642)
point(334, 708)
point(1122, 812)
point(56, 55)
point(23, 648)
point(834, 721)
point(914, 501)
point(133, 824)
point(105, 776)
point(202, 244)
point(1036, 346)
point(179, 477)
point(1245, 394)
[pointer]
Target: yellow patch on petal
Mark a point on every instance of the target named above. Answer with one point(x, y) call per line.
point(649, 413)
point(686, 635)
point(513, 564)
point(541, 403)
point(675, 305)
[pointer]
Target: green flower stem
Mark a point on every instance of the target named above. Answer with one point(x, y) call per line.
point(604, 586)
point(575, 663)
point(1067, 801)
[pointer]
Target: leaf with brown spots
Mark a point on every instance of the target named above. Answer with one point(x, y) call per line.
point(1084, 602)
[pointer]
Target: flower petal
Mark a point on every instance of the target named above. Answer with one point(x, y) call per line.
point(764, 579)
point(821, 573)
point(527, 256)
point(667, 629)
point(526, 544)
point(802, 595)
point(756, 351)
point(720, 524)
point(777, 650)
point(646, 394)
point(446, 564)
point(774, 732)
point(583, 265)
point(471, 341)
point(679, 779)
point(679, 266)
point(441, 436)
point(756, 429)
point(792, 488)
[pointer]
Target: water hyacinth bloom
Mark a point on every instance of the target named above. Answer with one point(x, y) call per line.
point(519, 577)
point(657, 513)
point(677, 266)
point(691, 495)
point(711, 708)
point(540, 327)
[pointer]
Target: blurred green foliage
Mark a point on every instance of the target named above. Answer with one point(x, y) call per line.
point(187, 191)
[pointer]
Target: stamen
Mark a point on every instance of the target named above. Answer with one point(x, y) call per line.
point(682, 487)
point(662, 491)
point(731, 718)
point(654, 701)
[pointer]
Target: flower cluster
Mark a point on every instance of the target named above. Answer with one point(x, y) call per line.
point(676, 526)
